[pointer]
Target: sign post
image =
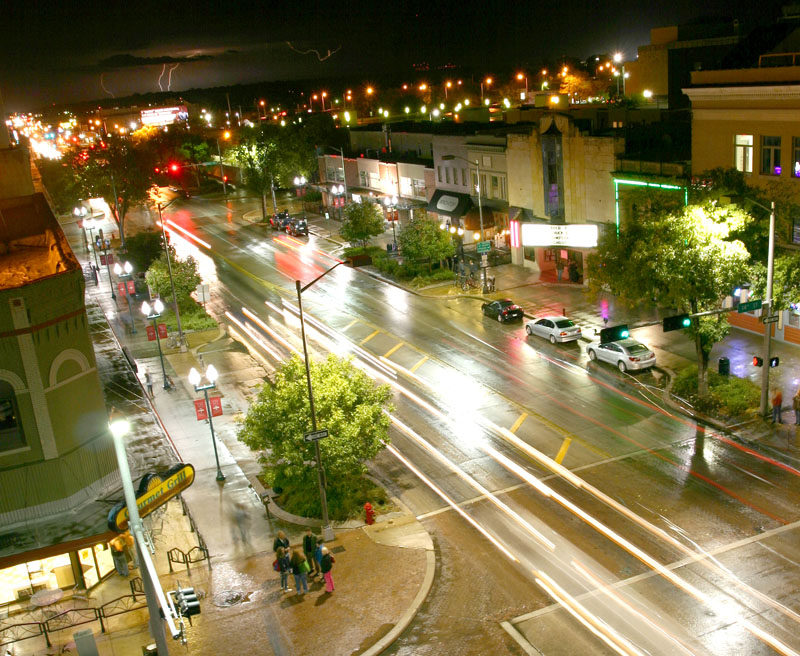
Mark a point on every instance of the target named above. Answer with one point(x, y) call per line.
point(484, 247)
point(313, 436)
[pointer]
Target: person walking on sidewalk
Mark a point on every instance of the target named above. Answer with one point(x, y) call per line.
point(118, 556)
point(300, 569)
point(309, 546)
point(318, 554)
point(796, 406)
point(777, 402)
point(327, 566)
point(280, 541)
point(284, 566)
point(148, 381)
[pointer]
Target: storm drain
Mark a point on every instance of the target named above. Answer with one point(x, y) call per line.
point(228, 598)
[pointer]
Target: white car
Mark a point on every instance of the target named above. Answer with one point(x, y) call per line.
point(625, 354)
point(555, 328)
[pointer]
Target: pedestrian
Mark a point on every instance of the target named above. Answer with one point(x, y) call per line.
point(777, 402)
point(241, 521)
point(326, 566)
point(309, 546)
point(318, 555)
point(280, 541)
point(796, 406)
point(148, 381)
point(117, 546)
point(559, 268)
point(284, 567)
point(130, 550)
point(300, 569)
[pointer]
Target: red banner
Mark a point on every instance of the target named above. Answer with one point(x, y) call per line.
point(102, 260)
point(131, 287)
point(110, 259)
point(121, 288)
point(151, 333)
point(162, 330)
point(200, 410)
point(216, 405)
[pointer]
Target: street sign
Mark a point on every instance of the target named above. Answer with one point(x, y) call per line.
point(315, 435)
point(749, 306)
point(771, 319)
point(484, 246)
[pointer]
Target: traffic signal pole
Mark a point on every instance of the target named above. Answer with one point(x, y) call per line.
point(766, 311)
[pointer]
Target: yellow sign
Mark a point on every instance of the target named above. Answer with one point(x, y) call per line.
point(173, 483)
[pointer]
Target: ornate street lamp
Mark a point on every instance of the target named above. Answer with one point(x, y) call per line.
point(153, 313)
point(211, 376)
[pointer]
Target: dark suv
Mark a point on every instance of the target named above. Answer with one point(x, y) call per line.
point(297, 227)
point(280, 220)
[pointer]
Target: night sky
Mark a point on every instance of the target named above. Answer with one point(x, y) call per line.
point(55, 52)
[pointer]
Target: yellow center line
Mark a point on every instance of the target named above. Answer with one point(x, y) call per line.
point(392, 350)
point(518, 422)
point(563, 450)
point(366, 339)
point(350, 325)
point(419, 364)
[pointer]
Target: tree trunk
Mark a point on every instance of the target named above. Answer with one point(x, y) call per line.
point(264, 206)
point(702, 357)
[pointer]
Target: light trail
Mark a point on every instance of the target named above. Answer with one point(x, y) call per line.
point(174, 226)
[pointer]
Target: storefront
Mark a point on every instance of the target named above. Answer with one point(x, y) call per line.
point(557, 251)
point(457, 213)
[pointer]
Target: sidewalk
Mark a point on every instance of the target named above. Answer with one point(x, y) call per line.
point(243, 603)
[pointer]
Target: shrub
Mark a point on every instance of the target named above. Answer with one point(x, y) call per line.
point(344, 503)
point(728, 396)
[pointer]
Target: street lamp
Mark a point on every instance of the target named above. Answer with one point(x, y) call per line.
point(391, 204)
point(90, 224)
point(477, 165)
point(153, 313)
point(338, 191)
point(327, 531)
point(81, 213)
point(125, 272)
point(169, 270)
point(211, 377)
point(623, 75)
point(300, 181)
point(520, 77)
point(488, 82)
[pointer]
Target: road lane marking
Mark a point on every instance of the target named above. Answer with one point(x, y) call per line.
point(392, 350)
point(419, 364)
point(350, 325)
point(518, 422)
point(366, 339)
point(563, 450)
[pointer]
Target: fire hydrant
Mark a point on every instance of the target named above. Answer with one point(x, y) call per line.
point(369, 513)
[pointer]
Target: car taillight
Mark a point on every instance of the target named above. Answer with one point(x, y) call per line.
point(505, 311)
point(632, 359)
point(562, 334)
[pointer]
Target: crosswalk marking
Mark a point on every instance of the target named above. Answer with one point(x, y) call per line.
point(392, 350)
point(518, 422)
point(366, 339)
point(419, 364)
point(563, 450)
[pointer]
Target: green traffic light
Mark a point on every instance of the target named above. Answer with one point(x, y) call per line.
point(687, 322)
point(624, 334)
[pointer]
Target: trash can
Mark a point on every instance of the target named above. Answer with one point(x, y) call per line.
point(724, 367)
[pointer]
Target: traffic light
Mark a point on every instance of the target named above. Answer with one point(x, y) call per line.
point(187, 602)
point(174, 168)
point(757, 362)
point(677, 322)
point(614, 333)
point(774, 362)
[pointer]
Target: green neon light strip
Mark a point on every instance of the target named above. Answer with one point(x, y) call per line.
point(640, 183)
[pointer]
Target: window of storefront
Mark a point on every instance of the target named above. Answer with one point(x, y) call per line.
point(794, 318)
point(11, 434)
point(418, 188)
point(771, 155)
point(96, 563)
point(21, 581)
point(743, 153)
point(796, 157)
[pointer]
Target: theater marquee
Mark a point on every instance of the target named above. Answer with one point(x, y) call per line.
point(571, 235)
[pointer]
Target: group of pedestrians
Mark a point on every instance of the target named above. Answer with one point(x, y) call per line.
point(314, 560)
point(777, 406)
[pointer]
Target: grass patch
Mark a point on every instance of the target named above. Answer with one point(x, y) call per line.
point(373, 251)
point(728, 396)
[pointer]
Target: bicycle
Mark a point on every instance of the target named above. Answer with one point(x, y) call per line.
point(468, 283)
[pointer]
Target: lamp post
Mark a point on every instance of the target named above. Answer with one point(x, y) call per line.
point(617, 74)
point(153, 313)
point(81, 213)
point(520, 77)
point(477, 165)
point(300, 181)
point(338, 190)
point(488, 82)
point(222, 171)
point(125, 272)
point(327, 531)
point(211, 376)
point(90, 225)
point(169, 270)
point(391, 204)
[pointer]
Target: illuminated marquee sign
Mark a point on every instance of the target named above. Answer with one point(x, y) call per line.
point(154, 491)
point(164, 115)
point(572, 235)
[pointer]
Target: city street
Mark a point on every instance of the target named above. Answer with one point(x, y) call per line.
point(572, 511)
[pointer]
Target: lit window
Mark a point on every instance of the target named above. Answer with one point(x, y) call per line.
point(743, 153)
point(771, 155)
point(796, 157)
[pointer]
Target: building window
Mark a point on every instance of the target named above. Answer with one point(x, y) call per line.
point(771, 155)
point(743, 153)
point(364, 178)
point(418, 188)
point(447, 174)
point(439, 173)
point(463, 177)
point(796, 157)
point(474, 177)
point(503, 188)
point(11, 433)
point(484, 188)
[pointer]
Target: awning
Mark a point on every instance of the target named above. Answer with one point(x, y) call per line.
point(472, 219)
point(449, 203)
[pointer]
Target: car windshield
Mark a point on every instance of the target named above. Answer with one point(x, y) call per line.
point(564, 323)
point(506, 303)
point(636, 349)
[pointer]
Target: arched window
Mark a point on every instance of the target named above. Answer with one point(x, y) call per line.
point(11, 433)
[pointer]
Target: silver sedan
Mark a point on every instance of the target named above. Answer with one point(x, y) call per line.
point(555, 328)
point(625, 354)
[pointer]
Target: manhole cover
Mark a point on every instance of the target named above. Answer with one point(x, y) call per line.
point(228, 598)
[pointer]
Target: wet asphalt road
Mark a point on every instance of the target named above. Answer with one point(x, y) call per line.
point(572, 511)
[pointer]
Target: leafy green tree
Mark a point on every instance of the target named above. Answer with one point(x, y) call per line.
point(347, 402)
point(184, 275)
point(684, 260)
point(785, 281)
point(61, 183)
point(196, 151)
point(119, 173)
point(257, 158)
point(144, 248)
point(361, 221)
point(421, 240)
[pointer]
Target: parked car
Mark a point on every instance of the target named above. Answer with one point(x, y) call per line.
point(625, 354)
point(503, 311)
point(555, 328)
point(280, 220)
point(297, 227)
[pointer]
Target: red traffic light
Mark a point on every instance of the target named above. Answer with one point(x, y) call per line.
point(158, 170)
point(757, 362)
point(224, 178)
point(174, 167)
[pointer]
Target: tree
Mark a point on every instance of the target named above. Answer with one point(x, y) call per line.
point(361, 221)
point(684, 260)
point(60, 182)
point(196, 151)
point(347, 402)
point(785, 281)
point(257, 158)
point(144, 248)
point(184, 275)
point(119, 173)
point(421, 240)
